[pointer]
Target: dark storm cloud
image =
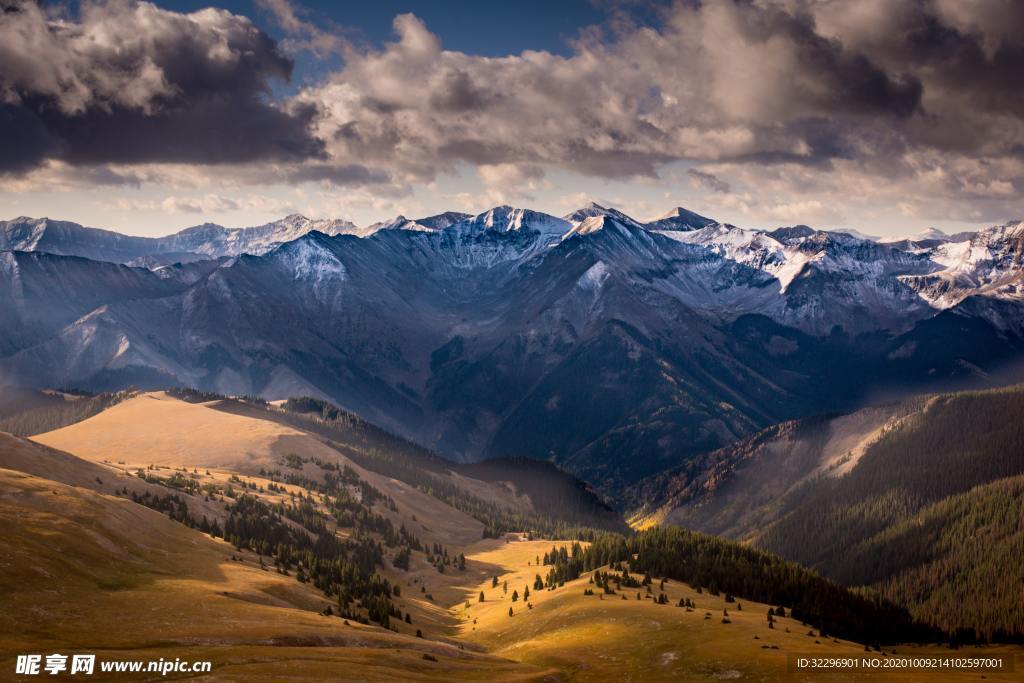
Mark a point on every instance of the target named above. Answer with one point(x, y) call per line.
point(24, 139)
point(910, 90)
point(838, 80)
point(346, 174)
point(974, 47)
point(708, 180)
point(131, 83)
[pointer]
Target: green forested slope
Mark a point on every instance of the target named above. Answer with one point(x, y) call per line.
point(931, 515)
point(958, 563)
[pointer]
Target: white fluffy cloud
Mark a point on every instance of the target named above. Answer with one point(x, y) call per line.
point(770, 87)
point(914, 104)
point(723, 80)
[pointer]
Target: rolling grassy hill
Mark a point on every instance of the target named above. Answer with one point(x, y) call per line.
point(604, 637)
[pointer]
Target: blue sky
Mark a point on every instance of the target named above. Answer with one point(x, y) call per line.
point(147, 119)
point(484, 28)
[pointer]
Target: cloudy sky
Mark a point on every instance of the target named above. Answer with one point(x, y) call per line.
point(885, 116)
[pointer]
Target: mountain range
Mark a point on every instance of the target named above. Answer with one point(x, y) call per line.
point(197, 243)
point(612, 347)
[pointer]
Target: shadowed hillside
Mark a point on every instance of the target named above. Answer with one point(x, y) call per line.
point(919, 500)
point(552, 492)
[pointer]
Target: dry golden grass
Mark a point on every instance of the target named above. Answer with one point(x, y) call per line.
point(88, 572)
point(157, 429)
point(611, 639)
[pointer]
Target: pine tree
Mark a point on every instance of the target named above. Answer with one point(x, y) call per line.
point(481, 597)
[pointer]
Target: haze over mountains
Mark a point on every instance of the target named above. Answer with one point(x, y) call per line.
point(192, 244)
point(612, 347)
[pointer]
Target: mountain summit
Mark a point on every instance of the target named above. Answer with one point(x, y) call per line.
point(680, 219)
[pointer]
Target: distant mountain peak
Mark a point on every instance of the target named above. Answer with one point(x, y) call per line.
point(858, 234)
point(599, 223)
point(680, 218)
point(794, 232)
point(925, 235)
point(930, 234)
point(439, 221)
point(506, 218)
point(594, 210)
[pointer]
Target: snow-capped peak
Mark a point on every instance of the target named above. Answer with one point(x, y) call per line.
point(510, 219)
point(433, 223)
point(595, 224)
point(215, 240)
point(680, 219)
point(442, 221)
point(595, 210)
point(396, 223)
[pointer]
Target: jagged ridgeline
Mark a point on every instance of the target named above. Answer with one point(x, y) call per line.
point(563, 506)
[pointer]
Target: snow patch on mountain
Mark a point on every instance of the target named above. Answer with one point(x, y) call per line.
point(433, 223)
point(989, 263)
point(509, 219)
point(23, 233)
point(753, 248)
point(10, 273)
point(594, 276)
point(310, 261)
point(595, 210)
point(595, 224)
point(214, 240)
